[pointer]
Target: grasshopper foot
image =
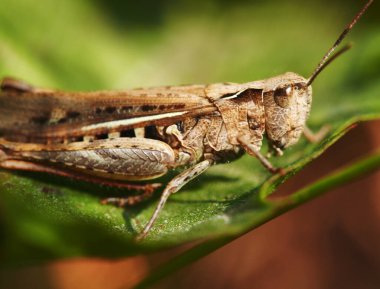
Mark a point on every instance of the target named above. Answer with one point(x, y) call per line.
point(318, 136)
point(280, 171)
point(132, 200)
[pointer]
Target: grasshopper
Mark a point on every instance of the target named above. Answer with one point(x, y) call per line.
point(109, 137)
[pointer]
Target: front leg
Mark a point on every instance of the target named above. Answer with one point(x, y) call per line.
point(318, 136)
point(174, 186)
point(253, 151)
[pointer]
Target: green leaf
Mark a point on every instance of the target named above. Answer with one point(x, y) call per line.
point(333, 180)
point(84, 46)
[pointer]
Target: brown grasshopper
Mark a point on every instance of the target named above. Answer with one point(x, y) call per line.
point(108, 137)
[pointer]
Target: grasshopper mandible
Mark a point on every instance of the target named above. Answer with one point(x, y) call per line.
point(109, 137)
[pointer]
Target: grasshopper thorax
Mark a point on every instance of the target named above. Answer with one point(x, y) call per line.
point(287, 101)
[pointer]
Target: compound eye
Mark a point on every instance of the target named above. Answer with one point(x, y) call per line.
point(282, 95)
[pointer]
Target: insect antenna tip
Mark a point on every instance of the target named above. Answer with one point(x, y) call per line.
point(326, 58)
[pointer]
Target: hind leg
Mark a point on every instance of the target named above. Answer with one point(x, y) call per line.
point(147, 189)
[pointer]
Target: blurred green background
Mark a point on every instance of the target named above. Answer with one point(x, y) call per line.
point(92, 45)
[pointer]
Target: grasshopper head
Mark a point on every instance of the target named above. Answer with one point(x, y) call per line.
point(287, 102)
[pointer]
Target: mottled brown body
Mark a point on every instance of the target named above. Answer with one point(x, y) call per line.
point(163, 129)
point(140, 134)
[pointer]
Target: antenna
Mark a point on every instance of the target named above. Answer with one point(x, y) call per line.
point(325, 60)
